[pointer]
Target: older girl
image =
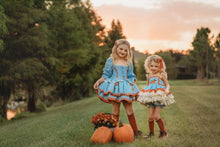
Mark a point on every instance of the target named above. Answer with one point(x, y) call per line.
point(117, 84)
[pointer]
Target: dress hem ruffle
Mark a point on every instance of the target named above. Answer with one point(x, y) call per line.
point(109, 99)
point(110, 92)
point(164, 100)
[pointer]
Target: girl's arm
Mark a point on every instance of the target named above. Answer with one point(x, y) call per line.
point(98, 82)
point(148, 77)
point(107, 70)
point(164, 77)
point(131, 75)
point(107, 73)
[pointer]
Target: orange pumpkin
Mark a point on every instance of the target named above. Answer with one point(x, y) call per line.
point(102, 135)
point(123, 133)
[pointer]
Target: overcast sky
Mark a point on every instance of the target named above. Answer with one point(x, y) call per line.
point(151, 25)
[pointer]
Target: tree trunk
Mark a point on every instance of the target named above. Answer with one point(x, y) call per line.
point(207, 73)
point(31, 101)
point(3, 113)
point(218, 70)
point(200, 72)
point(207, 64)
point(3, 108)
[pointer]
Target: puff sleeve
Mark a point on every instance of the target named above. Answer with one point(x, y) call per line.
point(108, 69)
point(131, 75)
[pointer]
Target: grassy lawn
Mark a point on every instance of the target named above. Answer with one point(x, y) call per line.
point(194, 120)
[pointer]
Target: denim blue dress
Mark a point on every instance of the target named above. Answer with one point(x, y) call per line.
point(119, 83)
point(154, 92)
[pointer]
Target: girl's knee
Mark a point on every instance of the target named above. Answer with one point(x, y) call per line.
point(130, 112)
point(128, 108)
point(116, 108)
point(116, 114)
point(156, 117)
point(116, 111)
point(150, 118)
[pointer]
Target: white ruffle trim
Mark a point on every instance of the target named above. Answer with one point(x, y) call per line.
point(151, 97)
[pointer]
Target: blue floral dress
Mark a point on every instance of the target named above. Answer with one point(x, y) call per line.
point(119, 83)
point(154, 92)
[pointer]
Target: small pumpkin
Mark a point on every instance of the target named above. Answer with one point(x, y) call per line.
point(102, 135)
point(123, 133)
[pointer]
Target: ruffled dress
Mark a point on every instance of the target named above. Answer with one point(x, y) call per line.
point(119, 83)
point(154, 92)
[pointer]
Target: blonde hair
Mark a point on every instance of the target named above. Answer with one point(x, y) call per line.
point(114, 50)
point(157, 59)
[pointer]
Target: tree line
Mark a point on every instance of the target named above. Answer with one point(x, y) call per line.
point(201, 63)
point(59, 44)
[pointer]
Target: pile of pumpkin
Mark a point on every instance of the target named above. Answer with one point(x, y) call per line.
point(103, 134)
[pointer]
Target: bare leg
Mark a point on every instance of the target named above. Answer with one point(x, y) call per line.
point(157, 113)
point(116, 109)
point(128, 108)
point(151, 113)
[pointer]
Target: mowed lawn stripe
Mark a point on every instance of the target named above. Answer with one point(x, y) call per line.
point(201, 106)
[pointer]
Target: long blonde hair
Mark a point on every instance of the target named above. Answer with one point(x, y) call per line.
point(157, 59)
point(114, 52)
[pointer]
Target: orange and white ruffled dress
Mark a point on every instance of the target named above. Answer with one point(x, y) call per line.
point(154, 92)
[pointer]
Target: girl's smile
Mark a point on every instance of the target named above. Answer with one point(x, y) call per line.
point(154, 67)
point(122, 51)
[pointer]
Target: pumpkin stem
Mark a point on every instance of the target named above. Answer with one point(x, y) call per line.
point(120, 123)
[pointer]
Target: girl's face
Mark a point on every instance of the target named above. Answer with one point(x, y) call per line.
point(122, 51)
point(154, 67)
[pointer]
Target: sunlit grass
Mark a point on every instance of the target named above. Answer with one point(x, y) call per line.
point(194, 120)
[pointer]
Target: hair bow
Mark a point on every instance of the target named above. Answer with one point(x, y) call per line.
point(160, 61)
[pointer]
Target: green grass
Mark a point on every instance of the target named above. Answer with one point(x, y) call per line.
point(194, 120)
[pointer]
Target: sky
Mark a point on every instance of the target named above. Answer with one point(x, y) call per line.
point(152, 25)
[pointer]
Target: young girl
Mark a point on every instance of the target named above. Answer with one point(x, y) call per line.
point(156, 94)
point(117, 84)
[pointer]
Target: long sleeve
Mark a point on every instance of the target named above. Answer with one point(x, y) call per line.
point(131, 75)
point(107, 70)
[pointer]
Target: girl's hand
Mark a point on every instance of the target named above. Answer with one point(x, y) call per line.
point(134, 81)
point(166, 91)
point(96, 85)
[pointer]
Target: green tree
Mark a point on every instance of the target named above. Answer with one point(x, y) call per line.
point(114, 33)
point(76, 35)
point(6, 85)
point(25, 42)
point(217, 54)
point(187, 70)
point(3, 27)
point(6, 88)
point(170, 64)
point(202, 53)
point(31, 75)
point(140, 70)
